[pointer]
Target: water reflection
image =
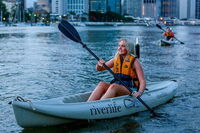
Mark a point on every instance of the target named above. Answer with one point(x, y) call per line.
point(120, 125)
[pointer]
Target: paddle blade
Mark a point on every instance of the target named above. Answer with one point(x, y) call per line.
point(158, 26)
point(69, 31)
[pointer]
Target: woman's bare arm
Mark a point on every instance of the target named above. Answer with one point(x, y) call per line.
point(100, 67)
point(138, 68)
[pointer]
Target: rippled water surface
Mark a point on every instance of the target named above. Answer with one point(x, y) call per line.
point(40, 63)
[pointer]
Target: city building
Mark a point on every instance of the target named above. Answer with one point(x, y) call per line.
point(57, 7)
point(129, 6)
point(183, 9)
point(114, 6)
point(197, 10)
point(98, 6)
point(137, 8)
point(141, 8)
point(149, 8)
point(191, 9)
point(42, 6)
point(124, 7)
point(71, 9)
point(75, 7)
point(158, 8)
point(187, 9)
point(22, 7)
point(170, 8)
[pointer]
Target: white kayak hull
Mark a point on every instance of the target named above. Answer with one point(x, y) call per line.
point(164, 42)
point(72, 108)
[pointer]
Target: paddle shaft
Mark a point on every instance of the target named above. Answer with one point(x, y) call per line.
point(116, 77)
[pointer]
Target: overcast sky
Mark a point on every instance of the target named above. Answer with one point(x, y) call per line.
point(30, 3)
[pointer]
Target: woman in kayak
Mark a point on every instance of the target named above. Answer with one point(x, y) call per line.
point(169, 34)
point(127, 68)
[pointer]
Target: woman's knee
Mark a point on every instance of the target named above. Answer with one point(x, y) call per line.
point(101, 83)
point(113, 87)
point(117, 88)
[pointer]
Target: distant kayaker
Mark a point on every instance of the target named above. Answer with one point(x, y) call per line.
point(127, 68)
point(169, 34)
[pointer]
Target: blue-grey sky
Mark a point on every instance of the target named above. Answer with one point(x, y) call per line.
point(30, 3)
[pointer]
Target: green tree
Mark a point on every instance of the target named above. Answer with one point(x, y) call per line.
point(108, 17)
point(4, 12)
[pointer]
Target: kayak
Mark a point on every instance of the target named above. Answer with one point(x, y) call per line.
point(164, 42)
point(73, 108)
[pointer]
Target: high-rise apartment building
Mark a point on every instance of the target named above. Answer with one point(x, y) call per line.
point(77, 7)
point(149, 8)
point(98, 6)
point(57, 7)
point(114, 6)
point(131, 7)
point(42, 6)
point(170, 8)
point(197, 11)
point(183, 9)
point(124, 7)
point(187, 9)
point(191, 9)
point(67, 7)
point(141, 8)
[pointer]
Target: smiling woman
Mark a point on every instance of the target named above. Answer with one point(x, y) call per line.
point(127, 68)
point(134, 71)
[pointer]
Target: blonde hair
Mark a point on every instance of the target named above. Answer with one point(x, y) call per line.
point(129, 46)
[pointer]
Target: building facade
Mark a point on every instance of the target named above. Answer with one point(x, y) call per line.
point(98, 6)
point(124, 7)
point(141, 8)
point(197, 10)
point(149, 8)
point(42, 6)
point(114, 6)
point(183, 9)
point(57, 7)
point(158, 8)
point(77, 7)
point(191, 9)
point(170, 8)
point(187, 9)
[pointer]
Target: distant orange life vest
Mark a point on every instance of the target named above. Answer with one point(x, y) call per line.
point(169, 34)
point(124, 69)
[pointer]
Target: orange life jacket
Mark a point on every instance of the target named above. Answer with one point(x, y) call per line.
point(124, 69)
point(169, 34)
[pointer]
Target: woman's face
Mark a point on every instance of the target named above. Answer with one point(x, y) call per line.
point(168, 30)
point(122, 48)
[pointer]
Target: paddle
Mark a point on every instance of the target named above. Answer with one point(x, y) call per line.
point(164, 31)
point(69, 31)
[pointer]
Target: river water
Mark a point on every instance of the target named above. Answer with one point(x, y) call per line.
point(40, 63)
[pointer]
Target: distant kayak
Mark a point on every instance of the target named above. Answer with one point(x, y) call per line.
point(72, 108)
point(164, 42)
